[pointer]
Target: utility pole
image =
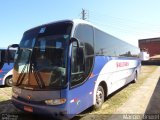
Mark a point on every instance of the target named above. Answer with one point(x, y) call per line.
point(83, 14)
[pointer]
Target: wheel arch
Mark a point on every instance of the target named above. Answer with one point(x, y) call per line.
point(7, 78)
point(9, 74)
point(105, 87)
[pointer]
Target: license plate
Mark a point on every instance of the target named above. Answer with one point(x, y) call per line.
point(28, 108)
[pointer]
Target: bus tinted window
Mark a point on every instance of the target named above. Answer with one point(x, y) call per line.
point(106, 44)
point(84, 34)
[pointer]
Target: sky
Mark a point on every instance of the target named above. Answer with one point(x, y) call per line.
point(129, 20)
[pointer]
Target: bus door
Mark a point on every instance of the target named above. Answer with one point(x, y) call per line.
point(80, 93)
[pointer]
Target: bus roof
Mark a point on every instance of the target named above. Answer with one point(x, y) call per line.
point(75, 23)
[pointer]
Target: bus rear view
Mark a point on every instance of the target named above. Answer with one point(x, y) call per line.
point(62, 69)
point(5, 68)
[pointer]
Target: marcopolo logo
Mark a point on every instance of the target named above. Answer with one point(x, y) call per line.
point(42, 30)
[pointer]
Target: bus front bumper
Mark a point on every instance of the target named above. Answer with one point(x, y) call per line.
point(53, 111)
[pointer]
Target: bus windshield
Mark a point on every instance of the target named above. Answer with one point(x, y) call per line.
point(41, 61)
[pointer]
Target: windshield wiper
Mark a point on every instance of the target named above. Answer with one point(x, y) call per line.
point(39, 80)
point(22, 75)
point(36, 74)
point(38, 77)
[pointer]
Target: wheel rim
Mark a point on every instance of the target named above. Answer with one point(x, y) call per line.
point(10, 81)
point(99, 97)
point(135, 77)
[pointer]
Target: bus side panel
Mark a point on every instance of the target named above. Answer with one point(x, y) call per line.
point(81, 97)
point(116, 72)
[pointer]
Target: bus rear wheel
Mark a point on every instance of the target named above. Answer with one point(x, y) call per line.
point(135, 77)
point(99, 97)
point(9, 81)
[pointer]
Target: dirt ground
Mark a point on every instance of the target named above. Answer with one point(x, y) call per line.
point(144, 100)
point(143, 103)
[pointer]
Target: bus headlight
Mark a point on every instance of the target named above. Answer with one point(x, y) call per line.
point(55, 101)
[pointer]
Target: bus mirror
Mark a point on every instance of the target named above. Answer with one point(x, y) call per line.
point(8, 52)
point(74, 40)
point(14, 46)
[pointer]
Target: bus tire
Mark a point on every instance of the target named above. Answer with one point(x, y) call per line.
point(9, 81)
point(135, 77)
point(99, 98)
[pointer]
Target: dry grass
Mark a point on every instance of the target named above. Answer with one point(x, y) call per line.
point(5, 93)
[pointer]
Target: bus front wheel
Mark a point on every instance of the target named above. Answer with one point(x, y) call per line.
point(99, 97)
point(9, 81)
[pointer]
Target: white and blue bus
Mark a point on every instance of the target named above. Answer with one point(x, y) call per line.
point(65, 67)
point(5, 68)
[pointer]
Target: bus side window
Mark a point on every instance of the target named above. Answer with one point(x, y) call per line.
point(77, 67)
point(74, 60)
point(84, 62)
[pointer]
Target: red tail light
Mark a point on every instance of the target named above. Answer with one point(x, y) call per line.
point(1, 71)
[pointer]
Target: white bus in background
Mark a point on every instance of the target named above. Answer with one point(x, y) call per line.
point(144, 55)
point(5, 68)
